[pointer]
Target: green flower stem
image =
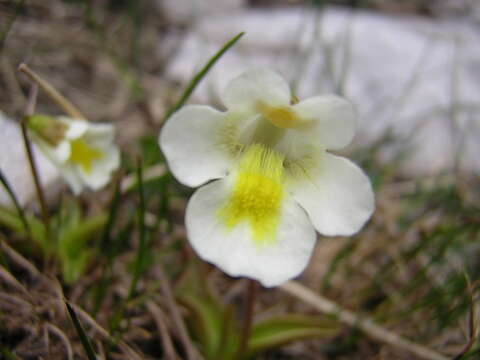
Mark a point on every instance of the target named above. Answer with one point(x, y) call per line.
point(58, 98)
point(252, 290)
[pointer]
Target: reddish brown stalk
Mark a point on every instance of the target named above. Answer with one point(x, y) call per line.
point(29, 110)
point(252, 289)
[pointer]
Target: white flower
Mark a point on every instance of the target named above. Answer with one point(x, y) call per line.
point(274, 182)
point(83, 152)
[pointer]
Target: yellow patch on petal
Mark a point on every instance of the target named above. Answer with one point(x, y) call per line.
point(257, 193)
point(282, 116)
point(82, 154)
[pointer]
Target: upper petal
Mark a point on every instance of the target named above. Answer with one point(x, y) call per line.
point(332, 121)
point(100, 133)
point(191, 144)
point(234, 250)
point(76, 127)
point(256, 85)
point(337, 196)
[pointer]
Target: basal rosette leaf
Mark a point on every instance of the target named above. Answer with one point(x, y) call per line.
point(282, 329)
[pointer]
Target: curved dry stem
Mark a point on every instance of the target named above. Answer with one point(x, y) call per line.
point(351, 319)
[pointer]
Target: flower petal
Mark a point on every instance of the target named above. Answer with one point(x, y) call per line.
point(100, 133)
point(253, 86)
point(191, 144)
point(337, 196)
point(76, 127)
point(101, 170)
point(333, 121)
point(234, 251)
point(57, 154)
point(71, 175)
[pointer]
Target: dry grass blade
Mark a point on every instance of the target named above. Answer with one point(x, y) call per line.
point(58, 98)
point(472, 320)
point(18, 303)
point(129, 352)
point(366, 325)
point(63, 338)
point(159, 318)
point(12, 281)
point(19, 260)
point(190, 349)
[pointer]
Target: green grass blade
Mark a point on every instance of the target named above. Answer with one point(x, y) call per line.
point(201, 74)
point(106, 246)
point(14, 199)
point(345, 252)
point(87, 345)
point(114, 321)
point(138, 265)
point(140, 259)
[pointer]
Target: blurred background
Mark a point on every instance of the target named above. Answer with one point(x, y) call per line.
point(412, 69)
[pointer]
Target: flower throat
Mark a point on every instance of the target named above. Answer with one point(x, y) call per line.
point(257, 193)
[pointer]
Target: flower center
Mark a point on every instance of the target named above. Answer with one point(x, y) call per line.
point(82, 154)
point(257, 193)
